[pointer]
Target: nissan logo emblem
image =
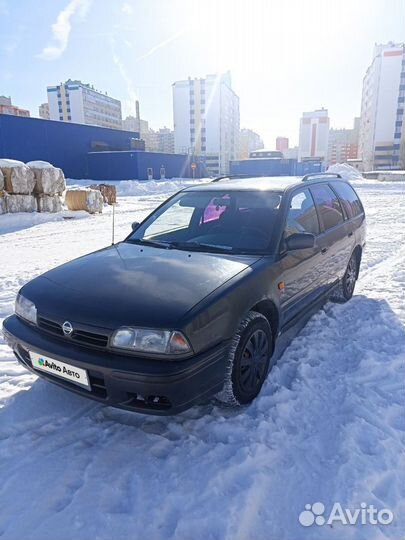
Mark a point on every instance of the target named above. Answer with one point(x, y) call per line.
point(67, 328)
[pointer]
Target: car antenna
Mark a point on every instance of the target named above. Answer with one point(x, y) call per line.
point(113, 223)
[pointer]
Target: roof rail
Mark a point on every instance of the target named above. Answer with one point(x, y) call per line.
point(229, 176)
point(320, 174)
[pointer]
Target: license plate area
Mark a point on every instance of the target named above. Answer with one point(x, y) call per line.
point(59, 369)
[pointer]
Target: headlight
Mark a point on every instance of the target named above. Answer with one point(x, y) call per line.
point(26, 309)
point(147, 340)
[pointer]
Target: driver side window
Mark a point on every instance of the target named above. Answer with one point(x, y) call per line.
point(302, 216)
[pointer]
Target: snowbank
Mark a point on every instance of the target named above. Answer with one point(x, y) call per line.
point(137, 188)
point(10, 223)
point(346, 171)
point(39, 164)
point(9, 163)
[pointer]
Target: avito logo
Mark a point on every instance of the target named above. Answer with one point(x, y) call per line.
point(314, 514)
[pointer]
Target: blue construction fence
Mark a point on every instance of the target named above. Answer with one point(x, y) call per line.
point(92, 152)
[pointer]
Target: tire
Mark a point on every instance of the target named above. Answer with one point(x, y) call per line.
point(346, 286)
point(248, 361)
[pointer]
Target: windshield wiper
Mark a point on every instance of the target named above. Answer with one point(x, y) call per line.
point(152, 243)
point(197, 246)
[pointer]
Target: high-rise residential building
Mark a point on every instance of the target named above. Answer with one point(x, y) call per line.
point(282, 144)
point(165, 140)
point(6, 107)
point(314, 134)
point(206, 120)
point(382, 134)
point(43, 110)
point(74, 101)
point(343, 144)
point(249, 141)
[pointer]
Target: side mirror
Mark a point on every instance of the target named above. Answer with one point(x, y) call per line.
point(135, 225)
point(300, 241)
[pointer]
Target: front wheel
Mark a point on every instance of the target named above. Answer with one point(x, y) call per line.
point(248, 360)
point(346, 286)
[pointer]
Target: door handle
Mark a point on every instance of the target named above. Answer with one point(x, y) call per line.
point(324, 250)
point(350, 233)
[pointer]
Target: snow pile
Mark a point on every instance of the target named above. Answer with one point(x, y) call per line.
point(347, 172)
point(138, 187)
point(9, 163)
point(39, 164)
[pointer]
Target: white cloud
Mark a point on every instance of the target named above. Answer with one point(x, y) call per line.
point(61, 29)
point(127, 8)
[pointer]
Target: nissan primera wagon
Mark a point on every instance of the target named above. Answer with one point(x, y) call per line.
point(191, 303)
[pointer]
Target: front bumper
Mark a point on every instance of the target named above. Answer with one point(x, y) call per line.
point(161, 387)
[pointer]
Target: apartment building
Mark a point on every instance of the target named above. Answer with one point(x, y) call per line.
point(74, 101)
point(6, 107)
point(314, 135)
point(206, 120)
point(381, 138)
point(343, 144)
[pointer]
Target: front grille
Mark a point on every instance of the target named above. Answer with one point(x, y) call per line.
point(81, 336)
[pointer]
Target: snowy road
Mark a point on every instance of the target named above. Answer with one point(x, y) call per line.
point(329, 425)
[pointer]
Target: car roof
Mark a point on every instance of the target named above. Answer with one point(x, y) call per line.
point(262, 183)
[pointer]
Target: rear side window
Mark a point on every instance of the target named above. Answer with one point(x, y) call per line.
point(328, 205)
point(349, 199)
point(302, 217)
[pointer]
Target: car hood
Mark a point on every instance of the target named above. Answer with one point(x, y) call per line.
point(129, 284)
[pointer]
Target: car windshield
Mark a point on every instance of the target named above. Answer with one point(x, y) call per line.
point(225, 221)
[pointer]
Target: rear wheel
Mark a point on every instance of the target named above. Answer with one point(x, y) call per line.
point(346, 286)
point(248, 360)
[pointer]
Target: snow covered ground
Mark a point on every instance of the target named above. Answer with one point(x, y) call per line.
point(329, 425)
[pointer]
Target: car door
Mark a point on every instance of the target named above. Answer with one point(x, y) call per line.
point(299, 269)
point(333, 241)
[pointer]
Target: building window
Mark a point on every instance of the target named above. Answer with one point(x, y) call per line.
point(402, 86)
point(69, 117)
point(59, 103)
point(401, 100)
point(398, 124)
point(60, 109)
point(60, 117)
point(68, 110)
point(397, 135)
point(400, 111)
point(396, 146)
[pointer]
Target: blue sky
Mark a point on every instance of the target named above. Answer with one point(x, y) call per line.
point(284, 56)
